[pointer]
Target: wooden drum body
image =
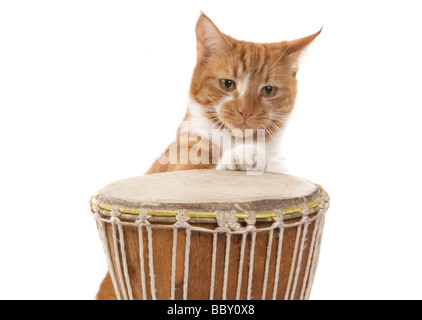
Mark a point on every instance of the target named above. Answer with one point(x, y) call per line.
point(208, 234)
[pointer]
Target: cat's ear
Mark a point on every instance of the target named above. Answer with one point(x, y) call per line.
point(209, 39)
point(295, 48)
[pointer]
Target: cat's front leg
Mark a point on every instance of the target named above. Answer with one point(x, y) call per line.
point(244, 157)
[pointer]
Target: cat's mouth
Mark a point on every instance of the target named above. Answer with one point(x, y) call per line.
point(242, 126)
point(241, 129)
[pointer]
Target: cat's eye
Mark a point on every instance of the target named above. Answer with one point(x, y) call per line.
point(227, 84)
point(268, 91)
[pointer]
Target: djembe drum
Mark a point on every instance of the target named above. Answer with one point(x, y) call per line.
point(208, 234)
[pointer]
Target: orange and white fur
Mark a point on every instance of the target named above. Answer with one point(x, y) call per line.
point(238, 90)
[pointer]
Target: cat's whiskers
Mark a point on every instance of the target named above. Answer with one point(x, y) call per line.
point(268, 130)
point(212, 112)
point(271, 135)
point(216, 122)
point(272, 124)
point(279, 117)
point(278, 113)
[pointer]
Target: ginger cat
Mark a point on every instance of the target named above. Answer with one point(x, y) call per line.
point(241, 95)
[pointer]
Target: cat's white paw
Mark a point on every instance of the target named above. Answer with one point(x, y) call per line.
point(246, 157)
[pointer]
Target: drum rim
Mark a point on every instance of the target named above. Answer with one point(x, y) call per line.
point(164, 213)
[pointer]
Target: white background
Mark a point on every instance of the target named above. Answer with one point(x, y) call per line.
point(93, 91)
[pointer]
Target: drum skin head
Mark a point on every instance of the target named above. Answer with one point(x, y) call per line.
point(202, 189)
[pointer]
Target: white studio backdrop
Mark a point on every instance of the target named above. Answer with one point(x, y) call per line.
point(93, 91)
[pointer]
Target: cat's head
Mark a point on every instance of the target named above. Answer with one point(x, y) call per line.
point(245, 85)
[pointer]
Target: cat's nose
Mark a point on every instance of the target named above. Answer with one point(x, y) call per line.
point(245, 114)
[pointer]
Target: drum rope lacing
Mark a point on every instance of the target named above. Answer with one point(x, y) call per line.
point(228, 223)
